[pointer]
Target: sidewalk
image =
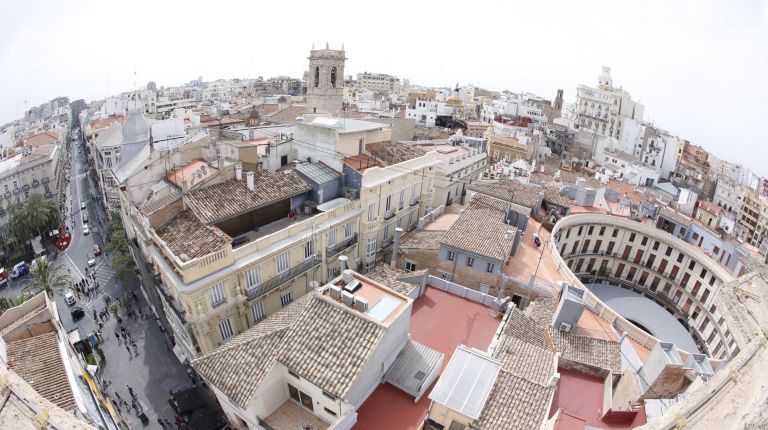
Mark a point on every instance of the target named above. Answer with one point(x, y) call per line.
point(152, 374)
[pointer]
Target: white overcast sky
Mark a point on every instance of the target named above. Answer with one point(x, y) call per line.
point(700, 67)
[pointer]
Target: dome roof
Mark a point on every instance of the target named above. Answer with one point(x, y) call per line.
point(135, 129)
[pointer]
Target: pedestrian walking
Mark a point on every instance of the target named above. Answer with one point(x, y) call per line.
point(128, 348)
point(94, 315)
point(98, 336)
point(117, 336)
point(101, 325)
point(106, 312)
point(118, 396)
point(135, 349)
point(160, 421)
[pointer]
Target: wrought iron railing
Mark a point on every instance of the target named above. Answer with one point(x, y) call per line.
point(335, 249)
point(278, 280)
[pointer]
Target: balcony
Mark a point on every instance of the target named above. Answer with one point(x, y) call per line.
point(8, 195)
point(411, 227)
point(45, 180)
point(16, 191)
point(413, 202)
point(387, 242)
point(171, 303)
point(346, 243)
point(389, 214)
point(282, 278)
point(35, 183)
point(25, 187)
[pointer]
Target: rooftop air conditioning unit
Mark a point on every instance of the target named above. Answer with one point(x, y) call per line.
point(348, 276)
point(335, 292)
point(348, 298)
point(361, 304)
point(565, 327)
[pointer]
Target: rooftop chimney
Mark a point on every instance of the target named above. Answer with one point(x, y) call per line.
point(398, 233)
point(249, 179)
point(239, 171)
point(343, 263)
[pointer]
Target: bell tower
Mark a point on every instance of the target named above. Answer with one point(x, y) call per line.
point(325, 89)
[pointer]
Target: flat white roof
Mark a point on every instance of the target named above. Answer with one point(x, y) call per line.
point(466, 382)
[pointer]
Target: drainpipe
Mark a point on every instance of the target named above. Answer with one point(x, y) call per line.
point(398, 233)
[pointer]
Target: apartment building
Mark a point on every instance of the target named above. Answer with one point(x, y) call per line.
point(691, 168)
point(752, 223)
point(35, 170)
point(602, 110)
point(315, 362)
point(379, 82)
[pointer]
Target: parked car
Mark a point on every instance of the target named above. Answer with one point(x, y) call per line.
point(3, 277)
point(82, 205)
point(86, 231)
point(19, 270)
point(85, 217)
point(96, 249)
point(91, 260)
point(69, 297)
point(77, 313)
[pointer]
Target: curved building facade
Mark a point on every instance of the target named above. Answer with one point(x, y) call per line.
point(639, 257)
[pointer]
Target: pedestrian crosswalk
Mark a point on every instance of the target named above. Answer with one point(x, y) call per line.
point(69, 268)
point(104, 274)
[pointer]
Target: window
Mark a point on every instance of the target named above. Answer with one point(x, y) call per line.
point(451, 255)
point(329, 412)
point(348, 230)
point(286, 299)
point(371, 211)
point(691, 265)
point(329, 395)
point(386, 232)
point(615, 232)
point(602, 230)
point(669, 251)
point(632, 237)
point(447, 276)
point(470, 261)
point(225, 329)
point(644, 242)
point(656, 245)
point(680, 258)
point(388, 205)
point(401, 204)
point(309, 248)
point(414, 195)
point(252, 277)
point(217, 294)
point(490, 267)
point(370, 250)
point(258, 312)
point(332, 237)
point(591, 230)
point(283, 262)
point(716, 250)
point(410, 266)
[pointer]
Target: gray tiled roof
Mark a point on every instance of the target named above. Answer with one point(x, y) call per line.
point(329, 345)
point(38, 361)
point(591, 351)
point(481, 229)
point(515, 404)
point(237, 367)
point(508, 190)
point(389, 277)
point(389, 153)
point(321, 341)
point(526, 360)
point(226, 199)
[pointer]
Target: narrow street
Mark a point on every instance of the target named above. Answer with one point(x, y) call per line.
point(153, 371)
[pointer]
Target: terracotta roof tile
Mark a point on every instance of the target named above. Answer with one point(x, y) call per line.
point(509, 191)
point(422, 239)
point(185, 234)
point(237, 367)
point(481, 229)
point(390, 278)
point(329, 345)
point(591, 351)
point(227, 199)
point(38, 361)
point(553, 196)
point(287, 115)
point(389, 153)
point(515, 404)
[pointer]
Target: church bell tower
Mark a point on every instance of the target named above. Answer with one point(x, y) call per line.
point(325, 88)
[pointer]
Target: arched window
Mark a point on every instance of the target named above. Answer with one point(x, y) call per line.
point(333, 77)
point(317, 76)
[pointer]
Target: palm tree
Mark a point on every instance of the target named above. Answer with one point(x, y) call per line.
point(17, 225)
point(47, 278)
point(41, 213)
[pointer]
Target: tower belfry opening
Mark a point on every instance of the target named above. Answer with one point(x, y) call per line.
point(326, 91)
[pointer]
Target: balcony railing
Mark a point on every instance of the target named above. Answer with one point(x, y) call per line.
point(171, 303)
point(411, 227)
point(280, 279)
point(389, 214)
point(387, 242)
point(335, 249)
point(414, 202)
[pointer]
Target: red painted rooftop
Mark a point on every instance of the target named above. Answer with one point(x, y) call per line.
point(581, 396)
point(441, 321)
